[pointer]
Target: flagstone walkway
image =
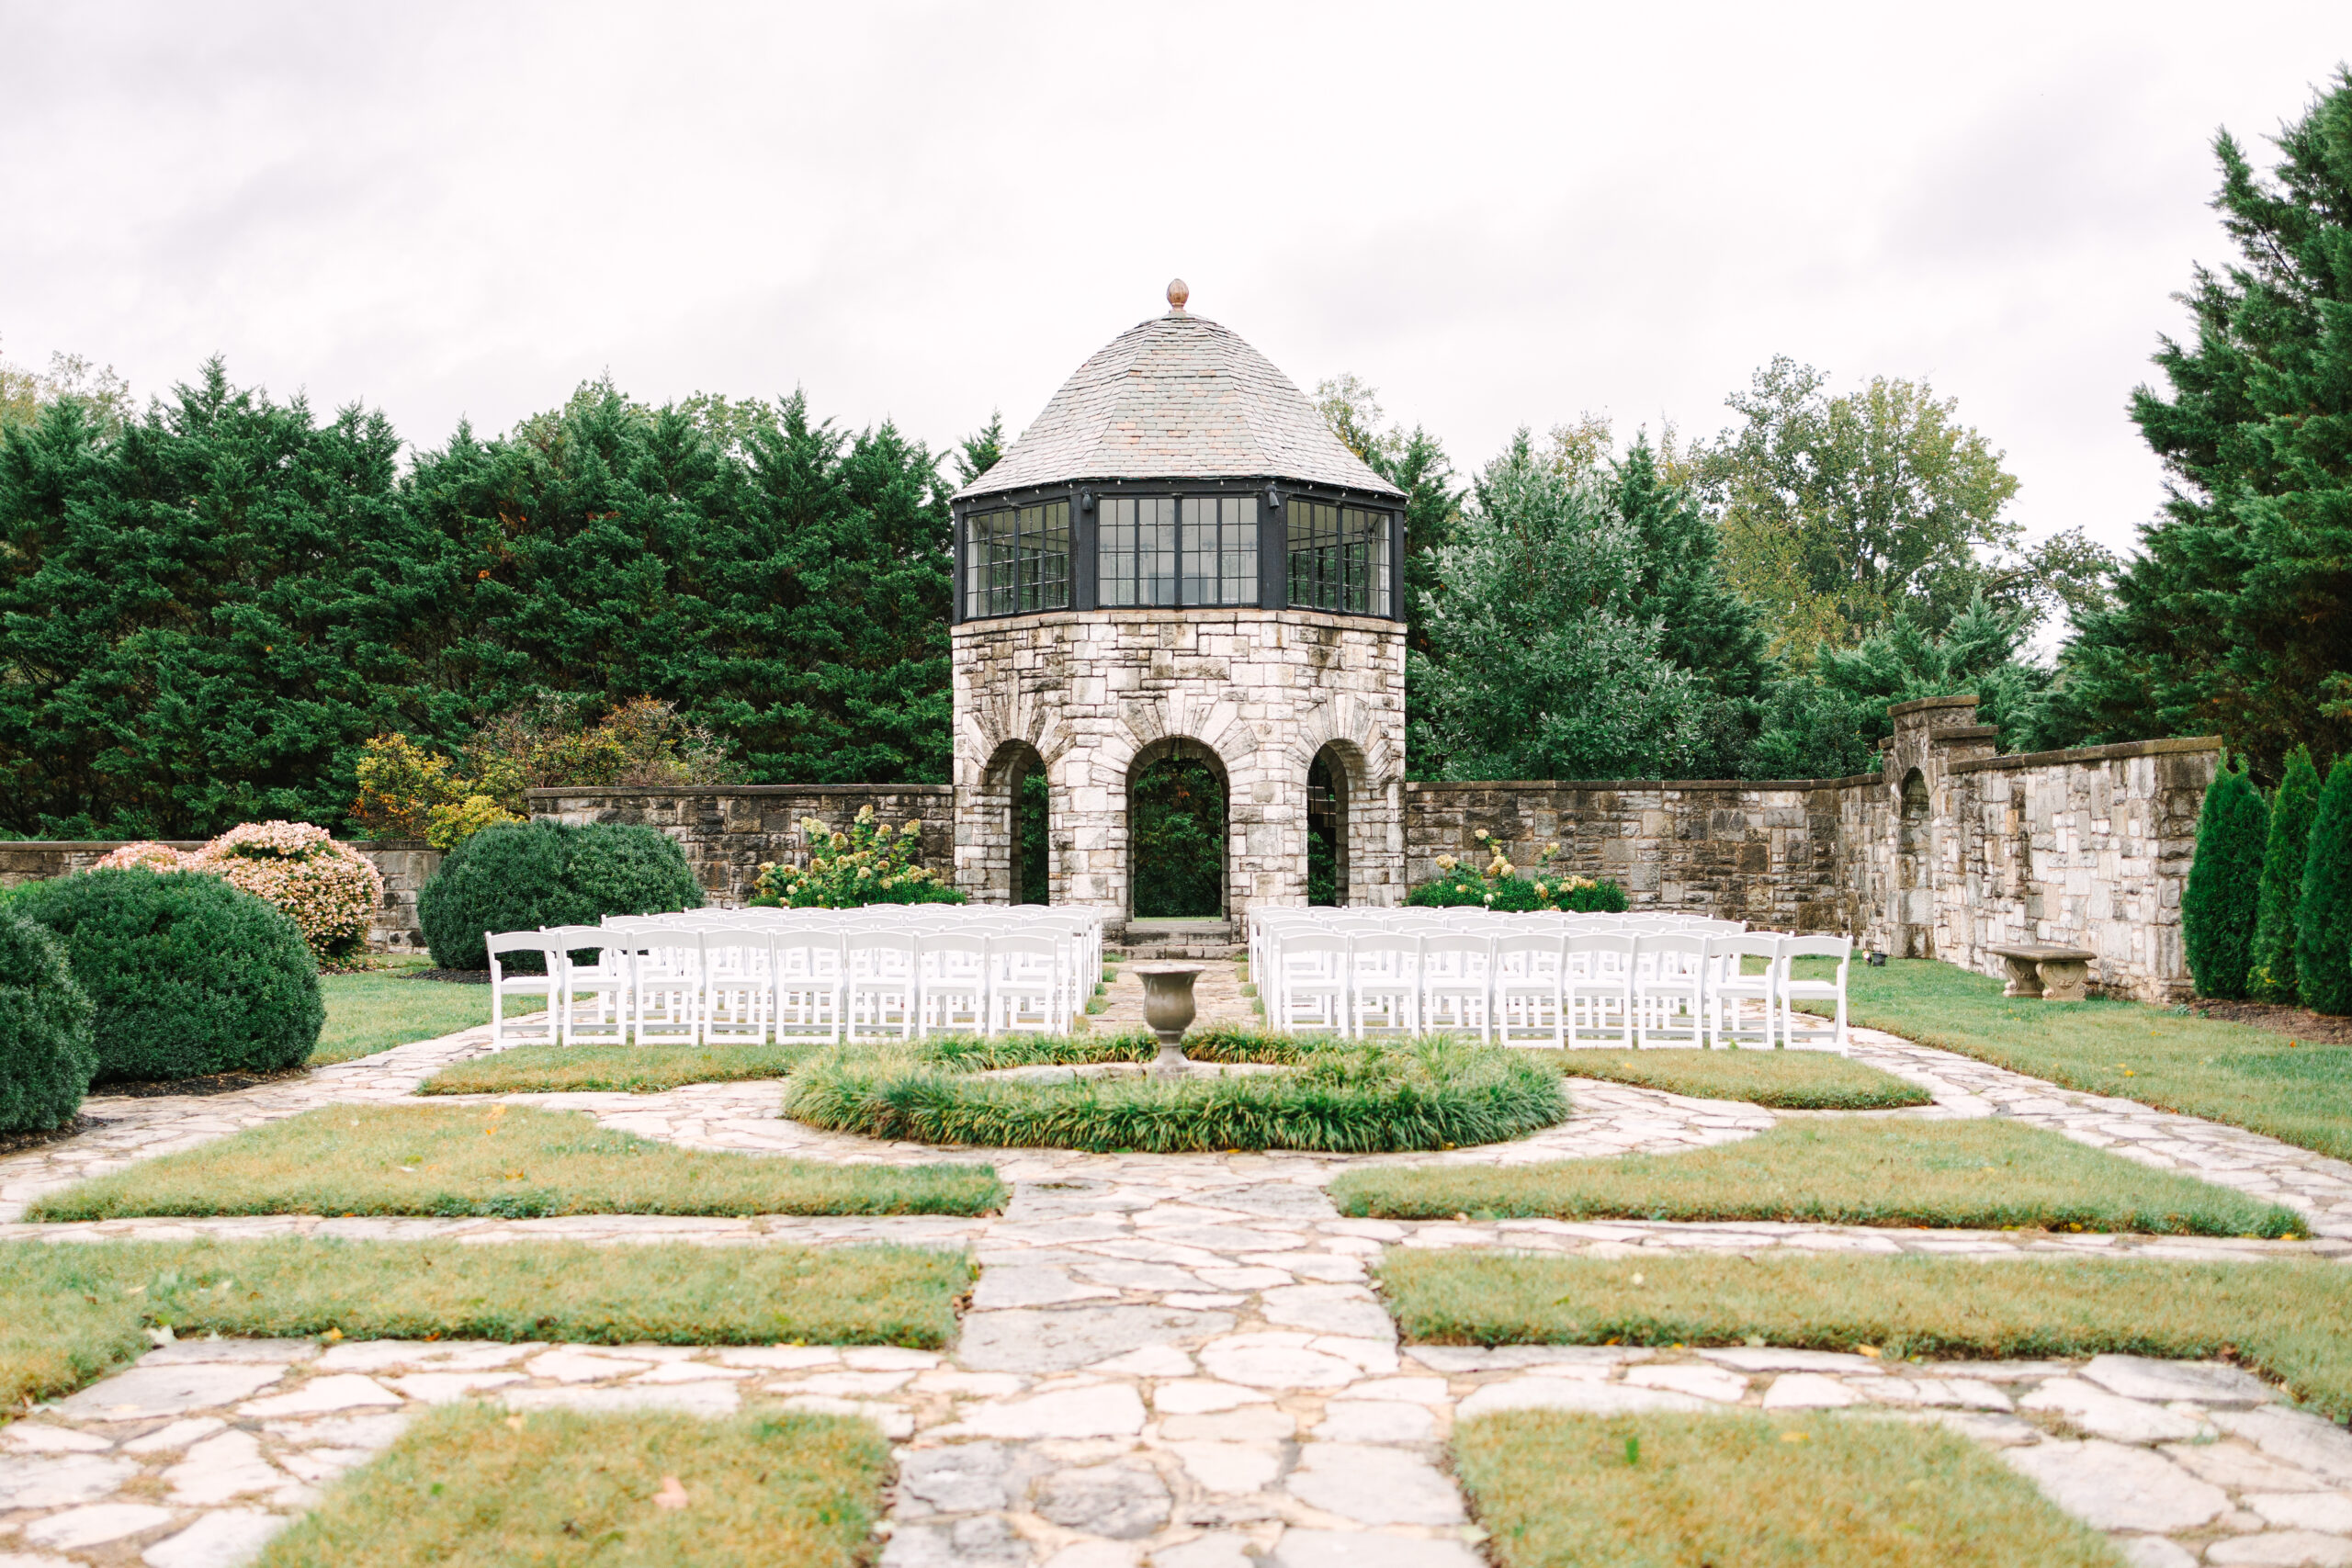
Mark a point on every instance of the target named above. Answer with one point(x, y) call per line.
point(1172, 1360)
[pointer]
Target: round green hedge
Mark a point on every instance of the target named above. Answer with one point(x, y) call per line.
point(520, 876)
point(188, 974)
point(45, 1057)
point(1359, 1096)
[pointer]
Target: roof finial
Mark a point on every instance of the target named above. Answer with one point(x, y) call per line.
point(1177, 295)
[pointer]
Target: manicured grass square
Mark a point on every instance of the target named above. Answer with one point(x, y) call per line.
point(470, 1486)
point(1786, 1081)
point(1560, 1489)
point(500, 1161)
point(1984, 1174)
point(621, 1069)
point(2286, 1318)
point(71, 1312)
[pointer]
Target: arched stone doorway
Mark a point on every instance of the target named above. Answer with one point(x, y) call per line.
point(1176, 838)
point(1327, 829)
point(1915, 920)
point(1013, 804)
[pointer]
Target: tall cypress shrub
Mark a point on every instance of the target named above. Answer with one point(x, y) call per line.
point(2323, 920)
point(2217, 912)
point(2272, 975)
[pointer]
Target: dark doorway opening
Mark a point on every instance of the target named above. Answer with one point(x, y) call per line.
point(1032, 875)
point(1327, 830)
point(1176, 834)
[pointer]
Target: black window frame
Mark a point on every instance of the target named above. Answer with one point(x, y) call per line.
point(1022, 574)
point(1276, 504)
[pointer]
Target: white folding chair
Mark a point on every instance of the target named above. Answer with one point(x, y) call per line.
point(541, 1030)
point(1669, 988)
point(1311, 983)
point(668, 965)
point(738, 986)
point(1027, 992)
point(1384, 984)
point(1457, 982)
point(806, 963)
point(592, 1004)
point(955, 981)
point(882, 984)
point(1598, 994)
point(1528, 1001)
point(1793, 991)
point(1732, 985)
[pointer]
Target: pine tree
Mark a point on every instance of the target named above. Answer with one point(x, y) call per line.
point(2272, 977)
point(2235, 619)
point(2217, 911)
point(2324, 918)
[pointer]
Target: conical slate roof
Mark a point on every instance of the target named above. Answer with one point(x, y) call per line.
point(1178, 396)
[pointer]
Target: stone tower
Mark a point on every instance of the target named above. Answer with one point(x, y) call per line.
point(1178, 559)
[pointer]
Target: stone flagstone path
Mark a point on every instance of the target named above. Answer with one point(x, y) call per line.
point(1172, 1360)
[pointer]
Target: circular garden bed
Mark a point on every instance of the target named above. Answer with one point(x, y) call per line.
point(1340, 1097)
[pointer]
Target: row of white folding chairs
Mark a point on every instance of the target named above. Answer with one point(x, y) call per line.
point(1269, 936)
point(680, 985)
point(1081, 927)
point(1574, 989)
point(1268, 927)
point(1079, 931)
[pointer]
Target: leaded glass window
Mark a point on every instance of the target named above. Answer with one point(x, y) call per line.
point(1338, 559)
point(1017, 560)
point(1136, 551)
point(1220, 549)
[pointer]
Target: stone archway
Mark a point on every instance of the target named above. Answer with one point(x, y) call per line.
point(1179, 813)
point(1028, 828)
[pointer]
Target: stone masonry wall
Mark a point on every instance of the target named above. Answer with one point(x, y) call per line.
point(726, 831)
point(393, 929)
point(1770, 852)
point(1096, 695)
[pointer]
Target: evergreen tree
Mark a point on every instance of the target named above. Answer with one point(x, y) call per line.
point(2272, 975)
point(2218, 908)
point(2237, 618)
point(1707, 628)
point(980, 452)
point(1543, 663)
point(2324, 915)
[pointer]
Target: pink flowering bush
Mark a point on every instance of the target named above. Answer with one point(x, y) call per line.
point(330, 890)
point(147, 853)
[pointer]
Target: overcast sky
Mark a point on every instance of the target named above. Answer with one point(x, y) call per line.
point(1497, 215)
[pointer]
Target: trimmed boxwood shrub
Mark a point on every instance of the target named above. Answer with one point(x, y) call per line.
point(46, 1055)
point(188, 974)
point(2218, 908)
point(2271, 976)
point(520, 876)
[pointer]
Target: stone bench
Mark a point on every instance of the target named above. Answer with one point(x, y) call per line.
point(2054, 974)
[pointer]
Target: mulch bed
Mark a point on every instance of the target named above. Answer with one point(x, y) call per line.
point(211, 1083)
point(453, 977)
point(12, 1142)
point(2295, 1024)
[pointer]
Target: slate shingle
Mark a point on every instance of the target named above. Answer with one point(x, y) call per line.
point(1178, 396)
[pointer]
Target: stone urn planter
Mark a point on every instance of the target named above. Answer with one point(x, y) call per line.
point(1168, 1010)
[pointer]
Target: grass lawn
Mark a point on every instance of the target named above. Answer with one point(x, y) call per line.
point(1976, 1174)
point(622, 1069)
point(2286, 1318)
point(455, 1160)
point(71, 1312)
point(380, 1008)
point(470, 1484)
point(1786, 1081)
point(2230, 1072)
point(1560, 1489)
